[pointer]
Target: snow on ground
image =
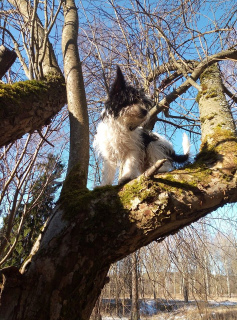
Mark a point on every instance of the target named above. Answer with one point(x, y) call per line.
point(148, 307)
point(225, 303)
point(148, 310)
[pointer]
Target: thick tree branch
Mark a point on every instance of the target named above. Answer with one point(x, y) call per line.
point(76, 96)
point(29, 105)
point(92, 229)
point(7, 58)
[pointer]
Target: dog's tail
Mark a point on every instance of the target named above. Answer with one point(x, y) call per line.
point(186, 149)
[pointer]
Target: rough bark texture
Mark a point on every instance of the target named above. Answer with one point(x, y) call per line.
point(212, 98)
point(94, 229)
point(29, 105)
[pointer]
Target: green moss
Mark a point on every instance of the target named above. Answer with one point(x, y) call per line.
point(74, 199)
point(209, 118)
point(178, 184)
point(208, 93)
point(109, 199)
point(211, 93)
point(221, 142)
point(13, 97)
point(137, 189)
point(86, 201)
point(22, 89)
point(198, 97)
point(207, 74)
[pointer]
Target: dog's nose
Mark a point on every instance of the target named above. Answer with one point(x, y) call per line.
point(144, 112)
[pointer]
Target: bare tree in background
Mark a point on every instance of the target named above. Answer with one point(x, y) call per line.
point(90, 230)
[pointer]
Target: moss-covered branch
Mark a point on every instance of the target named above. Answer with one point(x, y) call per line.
point(91, 229)
point(147, 209)
point(29, 105)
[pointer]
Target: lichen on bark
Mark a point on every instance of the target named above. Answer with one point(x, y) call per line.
point(213, 106)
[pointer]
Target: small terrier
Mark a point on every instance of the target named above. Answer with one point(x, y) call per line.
point(122, 141)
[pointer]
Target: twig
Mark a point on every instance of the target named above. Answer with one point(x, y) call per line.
point(153, 169)
point(40, 133)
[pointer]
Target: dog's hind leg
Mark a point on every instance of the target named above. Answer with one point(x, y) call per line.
point(108, 173)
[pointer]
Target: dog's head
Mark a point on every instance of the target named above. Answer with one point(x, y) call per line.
point(127, 104)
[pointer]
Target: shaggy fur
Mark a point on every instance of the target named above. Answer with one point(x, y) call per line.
point(121, 141)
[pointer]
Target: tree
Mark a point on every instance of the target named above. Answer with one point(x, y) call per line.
point(89, 230)
point(40, 208)
point(135, 315)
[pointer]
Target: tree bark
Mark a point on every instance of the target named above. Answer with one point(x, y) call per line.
point(76, 96)
point(135, 314)
point(27, 106)
point(7, 58)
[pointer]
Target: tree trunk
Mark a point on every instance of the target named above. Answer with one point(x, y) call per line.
point(76, 96)
point(90, 230)
point(185, 286)
point(29, 105)
point(135, 314)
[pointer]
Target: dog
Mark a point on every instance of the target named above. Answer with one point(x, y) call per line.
point(122, 141)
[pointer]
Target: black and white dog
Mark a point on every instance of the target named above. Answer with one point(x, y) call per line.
point(121, 140)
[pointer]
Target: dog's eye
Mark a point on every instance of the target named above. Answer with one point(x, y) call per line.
point(144, 112)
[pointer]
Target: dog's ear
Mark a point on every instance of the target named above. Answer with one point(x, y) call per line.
point(119, 83)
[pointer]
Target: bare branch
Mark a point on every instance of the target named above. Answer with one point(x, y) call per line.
point(153, 170)
point(76, 96)
point(164, 103)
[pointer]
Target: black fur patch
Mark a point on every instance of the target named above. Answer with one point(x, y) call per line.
point(147, 137)
point(122, 95)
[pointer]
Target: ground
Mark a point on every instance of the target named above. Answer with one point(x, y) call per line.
point(178, 310)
